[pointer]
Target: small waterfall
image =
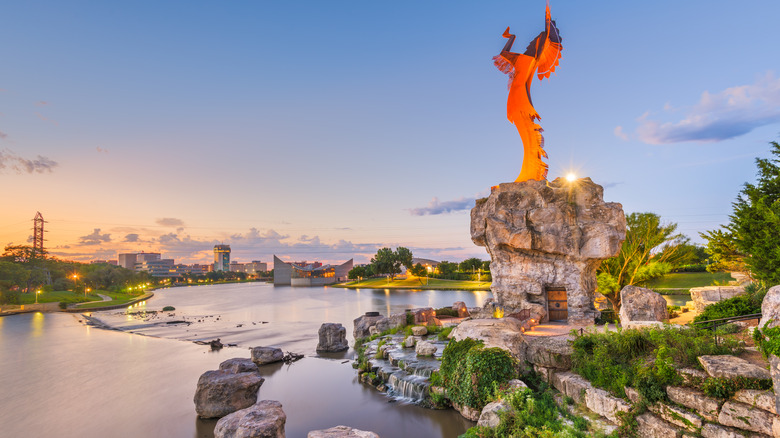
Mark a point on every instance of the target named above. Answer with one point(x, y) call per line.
point(408, 387)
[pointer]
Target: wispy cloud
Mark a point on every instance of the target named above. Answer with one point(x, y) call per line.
point(170, 222)
point(41, 103)
point(46, 119)
point(720, 116)
point(619, 133)
point(438, 207)
point(102, 150)
point(40, 164)
point(95, 238)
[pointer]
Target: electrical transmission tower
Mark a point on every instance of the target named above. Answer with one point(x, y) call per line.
point(38, 235)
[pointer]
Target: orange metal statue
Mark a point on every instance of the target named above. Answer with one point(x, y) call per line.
point(540, 58)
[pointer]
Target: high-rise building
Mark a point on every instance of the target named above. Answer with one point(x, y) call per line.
point(222, 258)
point(127, 261)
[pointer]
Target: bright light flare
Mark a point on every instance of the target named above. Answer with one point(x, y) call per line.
point(571, 177)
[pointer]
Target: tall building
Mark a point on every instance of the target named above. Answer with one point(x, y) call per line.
point(222, 258)
point(127, 261)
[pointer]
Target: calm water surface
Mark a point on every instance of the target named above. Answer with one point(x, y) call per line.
point(61, 377)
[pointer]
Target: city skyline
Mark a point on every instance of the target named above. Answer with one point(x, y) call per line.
point(327, 131)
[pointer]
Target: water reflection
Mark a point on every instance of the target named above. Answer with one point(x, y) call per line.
point(84, 382)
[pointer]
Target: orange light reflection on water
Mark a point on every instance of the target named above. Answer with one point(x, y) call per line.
point(36, 324)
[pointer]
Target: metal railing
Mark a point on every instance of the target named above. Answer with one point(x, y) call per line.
point(713, 324)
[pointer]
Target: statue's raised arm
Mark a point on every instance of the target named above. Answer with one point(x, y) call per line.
point(540, 58)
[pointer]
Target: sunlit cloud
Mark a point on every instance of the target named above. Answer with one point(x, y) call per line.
point(720, 116)
point(96, 238)
point(132, 237)
point(169, 222)
point(438, 207)
point(40, 164)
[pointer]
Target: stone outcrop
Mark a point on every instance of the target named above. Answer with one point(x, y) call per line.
point(341, 432)
point(505, 333)
point(694, 399)
point(239, 365)
point(650, 426)
point(460, 307)
point(266, 355)
point(424, 315)
point(393, 321)
point(774, 371)
point(265, 419)
point(704, 296)
point(222, 392)
point(490, 413)
point(764, 400)
point(640, 304)
point(731, 367)
point(770, 308)
point(543, 235)
point(742, 416)
point(363, 324)
point(333, 338)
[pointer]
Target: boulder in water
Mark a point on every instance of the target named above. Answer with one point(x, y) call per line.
point(425, 348)
point(239, 365)
point(333, 338)
point(266, 355)
point(265, 419)
point(223, 392)
point(341, 432)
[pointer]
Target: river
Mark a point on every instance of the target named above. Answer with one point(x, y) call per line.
point(61, 377)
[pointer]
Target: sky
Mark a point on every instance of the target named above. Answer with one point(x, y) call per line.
point(325, 130)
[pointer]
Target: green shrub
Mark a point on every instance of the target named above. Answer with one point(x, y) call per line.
point(643, 359)
point(607, 317)
point(674, 311)
point(445, 333)
point(446, 311)
point(746, 304)
point(723, 388)
point(470, 372)
point(9, 297)
point(409, 318)
point(168, 309)
point(63, 305)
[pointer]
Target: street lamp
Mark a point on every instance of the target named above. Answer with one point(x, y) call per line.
point(86, 289)
point(36, 295)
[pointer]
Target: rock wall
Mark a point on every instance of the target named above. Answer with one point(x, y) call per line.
point(704, 296)
point(543, 235)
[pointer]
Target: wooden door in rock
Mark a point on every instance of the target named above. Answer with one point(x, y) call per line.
point(557, 305)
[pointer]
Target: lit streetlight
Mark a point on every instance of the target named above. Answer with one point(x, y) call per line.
point(36, 295)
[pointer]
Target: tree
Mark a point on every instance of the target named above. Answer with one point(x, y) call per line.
point(723, 251)
point(418, 271)
point(650, 250)
point(446, 268)
point(469, 265)
point(755, 222)
point(356, 273)
point(387, 261)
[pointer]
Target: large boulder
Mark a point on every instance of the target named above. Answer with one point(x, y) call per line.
point(547, 234)
point(265, 419)
point(640, 304)
point(393, 321)
point(333, 338)
point(770, 308)
point(706, 295)
point(266, 355)
point(505, 333)
point(419, 330)
point(341, 432)
point(363, 324)
point(732, 367)
point(223, 392)
point(239, 365)
point(460, 307)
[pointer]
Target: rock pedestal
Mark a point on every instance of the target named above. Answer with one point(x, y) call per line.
point(543, 235)
point(265, 419)
point(333, 338)
point(223, 392)
point(266, 355)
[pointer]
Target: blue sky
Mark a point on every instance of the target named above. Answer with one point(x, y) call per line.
point(327, 129)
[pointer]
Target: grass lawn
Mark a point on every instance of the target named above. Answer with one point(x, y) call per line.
point(414, 283)
point(57, 296)
point(687, 280)
point(116, 298)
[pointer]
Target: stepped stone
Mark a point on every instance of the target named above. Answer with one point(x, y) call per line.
point(239, 365)
point(704, 296)
point(573, 385)
point(694, 399)
point(711, 430)
point(543, 234)
point(761, 399)
point(650, 426)
point(604, 404)
point(746, 417)
point(640, 304)
point(677, 416)
point(425, 348)
point(222, 392)
point(731, 366)
point(549, 351)
point(692, 376)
